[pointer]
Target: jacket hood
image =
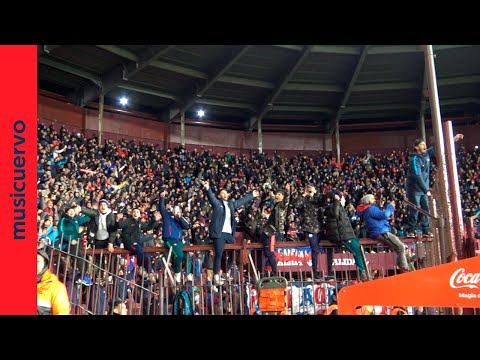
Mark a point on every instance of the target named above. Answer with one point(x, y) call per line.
point(362, 207)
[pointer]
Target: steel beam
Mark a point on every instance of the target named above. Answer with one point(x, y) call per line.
point(121, 72)
point(227, 62)
point(348, 91)
point(267, 105)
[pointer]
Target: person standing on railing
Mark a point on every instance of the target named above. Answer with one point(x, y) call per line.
point(222, 224)
point(309, 206)
point(102, 231)
point(69, 233)
point(133, 228)
point(274, 229)
point(172, 232)
point(339, 230)
point(418, 186)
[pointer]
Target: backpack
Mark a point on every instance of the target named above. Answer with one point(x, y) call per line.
point(182, 303)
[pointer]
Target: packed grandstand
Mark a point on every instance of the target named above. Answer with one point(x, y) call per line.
point(74, 171)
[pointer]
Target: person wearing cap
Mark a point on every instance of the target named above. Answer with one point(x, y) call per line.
point(52, 296)
point(339, 230)
point(377, 224)
point(309, 205)
point(222, 223)
point(117, 306)
point(274, 229)
point(418, 186)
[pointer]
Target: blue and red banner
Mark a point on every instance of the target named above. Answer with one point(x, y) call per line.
point(300, 259)
point(18, 158)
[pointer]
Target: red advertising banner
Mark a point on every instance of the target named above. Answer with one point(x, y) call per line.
point(456, 284)
point(18, 119)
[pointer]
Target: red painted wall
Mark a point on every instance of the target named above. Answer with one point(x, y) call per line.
point(117, 126)
point(52, 110)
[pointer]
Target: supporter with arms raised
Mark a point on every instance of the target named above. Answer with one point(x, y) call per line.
point(339, 230)
point(69, 232)
point(133, 228)
point(274, 229)
point(308, 204)
point(418, 186)
point(222, 222)
point(101, 230)
point(172, 232)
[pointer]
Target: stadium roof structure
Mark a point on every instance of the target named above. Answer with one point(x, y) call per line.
point(289, 87)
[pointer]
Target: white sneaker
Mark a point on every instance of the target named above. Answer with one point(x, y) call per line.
point(217, 280)
point(178, 277)
point(190, 277)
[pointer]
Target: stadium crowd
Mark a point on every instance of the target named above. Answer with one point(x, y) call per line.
point(74, 172)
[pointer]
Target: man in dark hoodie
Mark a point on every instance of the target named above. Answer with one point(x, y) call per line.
point(377, 224)
point(52, 296)
point(418, 186)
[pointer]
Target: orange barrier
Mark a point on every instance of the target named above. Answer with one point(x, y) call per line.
point(272, 297)
point(455, 284)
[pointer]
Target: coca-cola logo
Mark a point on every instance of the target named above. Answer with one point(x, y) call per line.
point(461, 280)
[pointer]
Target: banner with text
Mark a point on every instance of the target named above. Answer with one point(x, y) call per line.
point(300, 259)
point(18, 118)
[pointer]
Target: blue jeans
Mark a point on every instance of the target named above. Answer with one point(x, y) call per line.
point(143, 259)
point(414, 217)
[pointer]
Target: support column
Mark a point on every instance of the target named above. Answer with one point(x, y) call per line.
point(182, 128)
point(100, 117)
point(337, 143)
point(166, 137)
point(422, 127)
point(260, 141)
point(454, 189)
point(442, 177)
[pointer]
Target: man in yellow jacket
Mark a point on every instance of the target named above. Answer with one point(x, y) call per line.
point(52, 297)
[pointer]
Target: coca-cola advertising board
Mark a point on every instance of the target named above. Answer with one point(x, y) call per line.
point(455, 284)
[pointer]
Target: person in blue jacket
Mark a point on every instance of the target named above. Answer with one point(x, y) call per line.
point(172, 232)
point(377, 223)
point(222, 222)
point(418, 186)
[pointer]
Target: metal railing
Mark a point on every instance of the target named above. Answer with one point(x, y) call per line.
point(114, 275)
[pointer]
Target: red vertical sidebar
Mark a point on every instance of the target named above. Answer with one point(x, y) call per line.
point(18, 179)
